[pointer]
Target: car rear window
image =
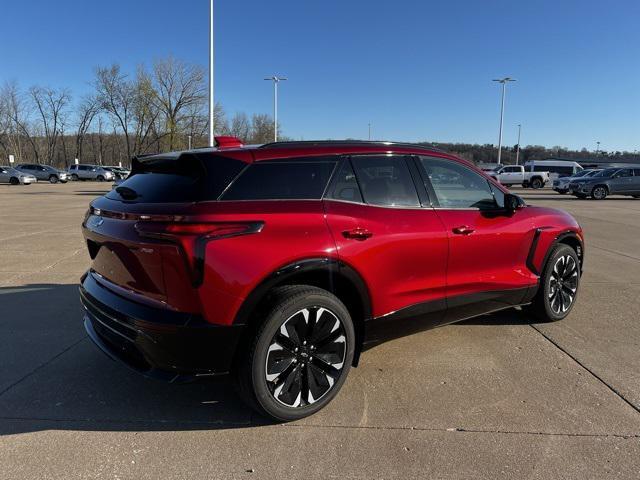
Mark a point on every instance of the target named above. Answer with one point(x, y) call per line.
point(190, 177)
point(282, 180)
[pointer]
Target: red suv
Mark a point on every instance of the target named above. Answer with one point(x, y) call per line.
point(282, 263)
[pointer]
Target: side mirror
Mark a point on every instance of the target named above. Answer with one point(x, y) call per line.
point(513, 202)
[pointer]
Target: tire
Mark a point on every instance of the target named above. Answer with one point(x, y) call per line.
point(536, 183)
point(53, 179)
point(14, 181)
point(74, 177)
point(581, 196)
point(100, 178)
point(274, 370)
point(599, 192)
point(555, 299)
point(561, 192)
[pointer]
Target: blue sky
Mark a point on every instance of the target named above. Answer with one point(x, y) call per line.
point(417, 70)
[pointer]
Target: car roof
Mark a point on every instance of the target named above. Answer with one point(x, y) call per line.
point(310, 148)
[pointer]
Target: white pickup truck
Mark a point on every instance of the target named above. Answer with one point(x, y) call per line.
point(516, 175)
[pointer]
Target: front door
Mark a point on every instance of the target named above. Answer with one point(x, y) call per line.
point(488, 248)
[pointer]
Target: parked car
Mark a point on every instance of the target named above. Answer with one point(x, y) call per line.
point(556, 168)
point(118, 172)
point(282, 263)
point(509, 175)
point(15, 177)
point(43, 172)
point(90, 172)
point(610, 181)
point(561, 185)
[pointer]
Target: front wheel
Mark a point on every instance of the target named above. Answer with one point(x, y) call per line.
point(300, 356)
point(559, 284)
point(562, 192)
point(74, 177)
point(53, 179)
point(599, 193)
point(14, 181)
point(100, 178)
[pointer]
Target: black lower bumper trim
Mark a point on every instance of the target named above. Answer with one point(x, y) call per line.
point(158, 343)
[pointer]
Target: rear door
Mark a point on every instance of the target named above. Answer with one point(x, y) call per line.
point(487, 248)
point(382, 231)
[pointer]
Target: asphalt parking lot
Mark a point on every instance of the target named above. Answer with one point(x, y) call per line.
point(495, 397)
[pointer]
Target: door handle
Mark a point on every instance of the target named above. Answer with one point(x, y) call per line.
point(357, 234)
point(463, 230)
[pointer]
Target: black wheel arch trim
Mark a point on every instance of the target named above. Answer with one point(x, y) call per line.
point(331, 266)
point(558, 239)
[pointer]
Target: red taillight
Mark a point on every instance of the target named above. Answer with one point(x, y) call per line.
point(193, 238)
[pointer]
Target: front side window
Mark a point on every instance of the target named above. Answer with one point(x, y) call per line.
point(283, 180)
point(385, 181)
point(457, 186)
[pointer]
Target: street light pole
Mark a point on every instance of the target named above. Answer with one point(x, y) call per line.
point(275, 79)
point(369, 132)
point(597, 148)
point(503, 81)
point(518, 148)
point(212, 104)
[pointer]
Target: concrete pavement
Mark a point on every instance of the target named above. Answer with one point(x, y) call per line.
point(494, 397)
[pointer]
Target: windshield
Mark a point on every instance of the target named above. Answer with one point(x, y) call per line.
point(11, 170)
point(582, 173)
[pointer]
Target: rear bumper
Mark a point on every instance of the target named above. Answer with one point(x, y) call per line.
point(158, 343)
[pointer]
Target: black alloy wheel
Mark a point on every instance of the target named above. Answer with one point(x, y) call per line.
point(305, 357)
point(559, 285)
point(53, 179)
point(14, 181)
point(300, 355)
point(100, 178)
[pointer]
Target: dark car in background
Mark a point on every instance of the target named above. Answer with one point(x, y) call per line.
point(561, 185)
point(610, 181)
point(43, 172)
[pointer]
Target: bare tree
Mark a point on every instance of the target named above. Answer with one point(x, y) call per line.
point(88, 108)
point(240, 126)
point(262, 130)
point(17, 113)
point(117, 97)
point(179, 91)
point(50, 105)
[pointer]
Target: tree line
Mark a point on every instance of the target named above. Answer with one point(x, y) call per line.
point(154, 110)
point(158, 109)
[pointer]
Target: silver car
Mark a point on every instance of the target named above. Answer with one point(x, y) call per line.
point(43, 172)
point(15, 177)
point(90, 172)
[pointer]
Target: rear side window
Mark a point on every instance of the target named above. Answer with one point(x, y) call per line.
point(302, 180)
point(345, 185)
point(386, 181)
point(187, 178)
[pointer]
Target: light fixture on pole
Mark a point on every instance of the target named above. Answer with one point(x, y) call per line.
point(518, 147)
point(275, 79)
point(503, 81)
point(212, 104)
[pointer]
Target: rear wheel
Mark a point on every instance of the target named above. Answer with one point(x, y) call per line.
point(300, 356)
point(537, 183)
point(600, 192)
point(559, 284)
point(53, 179)
point(14, 181)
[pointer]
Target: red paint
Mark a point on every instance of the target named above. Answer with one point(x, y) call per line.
point(405, 256)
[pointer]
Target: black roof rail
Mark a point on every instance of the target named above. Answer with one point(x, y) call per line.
point(327, 143)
